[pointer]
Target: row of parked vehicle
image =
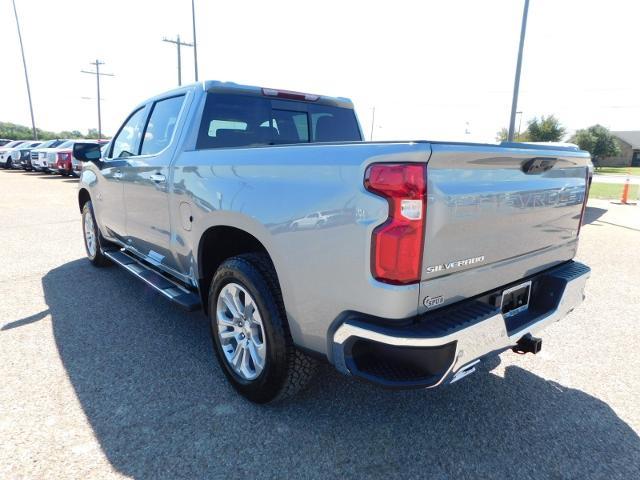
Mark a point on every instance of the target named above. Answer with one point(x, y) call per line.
point(52, 156)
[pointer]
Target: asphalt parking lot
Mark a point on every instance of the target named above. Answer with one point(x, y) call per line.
point(100, 378)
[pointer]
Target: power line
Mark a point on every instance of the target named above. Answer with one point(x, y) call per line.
point(26, 75)
point(98, 73)
point(178, 43)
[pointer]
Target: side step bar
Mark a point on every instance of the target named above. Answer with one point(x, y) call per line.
point(170, 289)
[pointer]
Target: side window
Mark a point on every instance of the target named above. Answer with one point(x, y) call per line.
point(126, 142)
point(162, 123)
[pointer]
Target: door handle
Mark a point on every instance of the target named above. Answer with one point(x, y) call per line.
point(117, 174)
point(157, 177)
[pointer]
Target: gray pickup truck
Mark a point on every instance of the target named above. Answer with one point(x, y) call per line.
point(401, 263)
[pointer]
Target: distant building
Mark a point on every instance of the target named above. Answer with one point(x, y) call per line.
point(629, 142)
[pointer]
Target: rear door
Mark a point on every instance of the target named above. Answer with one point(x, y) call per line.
point(496, 215)
point(146, 184)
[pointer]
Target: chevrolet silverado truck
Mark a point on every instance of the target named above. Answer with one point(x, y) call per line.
point(430, 257)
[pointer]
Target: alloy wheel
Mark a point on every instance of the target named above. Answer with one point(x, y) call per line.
point(90, 235)
point(240, 331)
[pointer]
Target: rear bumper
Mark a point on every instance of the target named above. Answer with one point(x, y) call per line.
point(444, 345)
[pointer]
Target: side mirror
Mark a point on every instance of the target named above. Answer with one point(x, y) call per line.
point(87, 152)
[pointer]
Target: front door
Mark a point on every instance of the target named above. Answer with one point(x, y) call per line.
point(110, 208)
point(146, 185)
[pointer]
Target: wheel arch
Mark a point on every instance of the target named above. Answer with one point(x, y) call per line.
point(219, 243)
point(83, 197)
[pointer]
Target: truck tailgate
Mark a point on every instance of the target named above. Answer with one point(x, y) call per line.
point(497, 214)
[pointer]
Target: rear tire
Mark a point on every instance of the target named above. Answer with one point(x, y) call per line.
point(93, 241)
point(257, 320)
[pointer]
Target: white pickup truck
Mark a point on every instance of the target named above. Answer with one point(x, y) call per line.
point(401, 263)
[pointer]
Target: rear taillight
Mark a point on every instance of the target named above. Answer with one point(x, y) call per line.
point(64, 156)
point(397, 244)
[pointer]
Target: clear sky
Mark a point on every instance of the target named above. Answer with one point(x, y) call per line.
point(432, 69)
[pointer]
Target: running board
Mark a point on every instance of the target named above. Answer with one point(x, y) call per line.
point(168, 288)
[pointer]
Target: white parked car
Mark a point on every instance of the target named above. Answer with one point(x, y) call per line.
point(313, 220)
point(6, 158)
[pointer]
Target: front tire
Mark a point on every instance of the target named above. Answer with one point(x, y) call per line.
point(250, 332)
point(93, 241)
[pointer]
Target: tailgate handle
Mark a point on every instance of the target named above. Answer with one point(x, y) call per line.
point(538, 165)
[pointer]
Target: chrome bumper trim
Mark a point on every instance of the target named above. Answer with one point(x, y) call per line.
point(472, 342)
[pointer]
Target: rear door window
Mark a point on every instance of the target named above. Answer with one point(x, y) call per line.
point(161, 125)
point(230, 120)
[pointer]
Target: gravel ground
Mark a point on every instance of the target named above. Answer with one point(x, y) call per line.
point(103, 379)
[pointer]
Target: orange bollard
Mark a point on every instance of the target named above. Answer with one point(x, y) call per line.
point(625, 192)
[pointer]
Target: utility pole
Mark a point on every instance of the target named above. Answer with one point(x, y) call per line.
point(26, 75)
point(516, 85)
point(97, 73)
point(519, 124)
point(195, 44)
point(373, 122)
point(178, 43)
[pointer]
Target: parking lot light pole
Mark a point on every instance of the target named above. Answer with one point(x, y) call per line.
point(516, 84)
point(97, 73)
point(26, 75)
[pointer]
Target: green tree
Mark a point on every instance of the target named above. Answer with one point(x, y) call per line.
point(22, 132)
point(503, 134)
point(93, 133)
point(547, 129)
point(544, 129)
point(598, 141)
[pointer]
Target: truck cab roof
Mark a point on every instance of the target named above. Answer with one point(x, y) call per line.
point(239, 89)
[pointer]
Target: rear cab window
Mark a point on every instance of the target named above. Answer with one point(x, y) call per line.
point(234, 120)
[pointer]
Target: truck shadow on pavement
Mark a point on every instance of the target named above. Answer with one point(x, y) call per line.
point(592, 214)
point(145, 375)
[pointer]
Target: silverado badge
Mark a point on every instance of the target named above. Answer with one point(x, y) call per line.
point(455, 264)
